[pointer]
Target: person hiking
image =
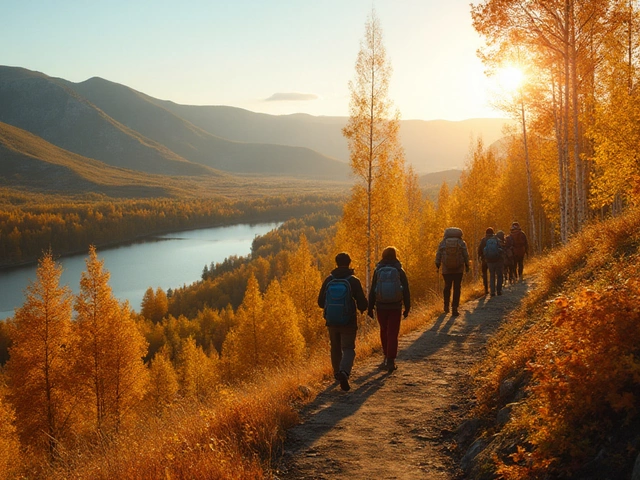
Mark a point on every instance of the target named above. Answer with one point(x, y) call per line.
point(520, 248)
point(505, 257)
point(509, 263)
point(341, 295)
point(483, 262)
point(389, 291)
point(490, 253)
point(453, 255)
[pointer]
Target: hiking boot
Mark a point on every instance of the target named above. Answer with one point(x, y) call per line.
point(391, 365)
point(383, 365)
point(455, 312)
point(343, 378)
point(446, 309)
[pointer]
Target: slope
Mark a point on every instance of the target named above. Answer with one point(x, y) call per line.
point(141, 114)
point(31, 163)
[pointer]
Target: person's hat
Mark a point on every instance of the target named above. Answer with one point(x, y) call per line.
point(515, 226)
point(489, 231)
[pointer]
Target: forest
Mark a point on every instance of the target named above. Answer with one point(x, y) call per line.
point(210, 374)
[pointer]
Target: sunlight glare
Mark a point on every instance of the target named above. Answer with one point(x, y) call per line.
point(510, 78)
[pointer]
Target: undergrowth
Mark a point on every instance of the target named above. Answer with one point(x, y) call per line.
point(571, 354)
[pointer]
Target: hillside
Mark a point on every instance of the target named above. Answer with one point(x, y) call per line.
point(30, 162)
point(38, 104)
point(268, 157)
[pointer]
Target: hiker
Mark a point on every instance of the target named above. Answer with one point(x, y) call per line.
point(389, 291)
point(483, 263)
point(453, 256)
point(340, 296)
point(520, 248)
point(509, 263)
point(490, 253)
point(506, 260)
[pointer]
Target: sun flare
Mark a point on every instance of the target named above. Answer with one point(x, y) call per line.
point(510, 78)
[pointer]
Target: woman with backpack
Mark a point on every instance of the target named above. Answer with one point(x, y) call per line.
point(389, 291)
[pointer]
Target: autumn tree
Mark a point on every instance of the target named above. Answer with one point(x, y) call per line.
point(110, 348)
point(302, 283)
point(267, 333)
point(372, 136)
point(39, 368)
point(197, 373)
point(9, 443)
point(163, 383)
point(155, 305)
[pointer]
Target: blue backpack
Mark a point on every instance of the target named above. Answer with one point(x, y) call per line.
point(492, 250)
point(339, 306)
point(388, 285)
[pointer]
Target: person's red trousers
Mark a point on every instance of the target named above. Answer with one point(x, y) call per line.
point(389, 321)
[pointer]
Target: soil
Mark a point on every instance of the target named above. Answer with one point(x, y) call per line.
point(400, 425)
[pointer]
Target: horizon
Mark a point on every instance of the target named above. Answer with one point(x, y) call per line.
point(301, 68)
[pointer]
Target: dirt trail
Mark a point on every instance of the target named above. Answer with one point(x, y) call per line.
point(399, 425)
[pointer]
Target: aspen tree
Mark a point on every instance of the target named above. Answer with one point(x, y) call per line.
point(39, 368)
point(371, 133)
point(110, 348)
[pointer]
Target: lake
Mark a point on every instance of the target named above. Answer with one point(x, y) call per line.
point(166, 261)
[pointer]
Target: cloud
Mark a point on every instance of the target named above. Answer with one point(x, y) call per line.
point(291, 97)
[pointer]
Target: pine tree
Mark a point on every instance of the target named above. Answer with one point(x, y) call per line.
point(41, 385)
point(197, 373)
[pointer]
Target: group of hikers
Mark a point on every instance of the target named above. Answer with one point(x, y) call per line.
point(342, 296)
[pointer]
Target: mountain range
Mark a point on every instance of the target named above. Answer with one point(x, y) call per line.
point(100, 132)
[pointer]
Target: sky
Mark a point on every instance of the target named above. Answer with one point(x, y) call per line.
point(269, 56)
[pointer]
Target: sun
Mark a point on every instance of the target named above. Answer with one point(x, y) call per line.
point(510, 78)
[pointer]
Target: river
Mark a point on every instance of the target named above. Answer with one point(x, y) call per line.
point(166, 261)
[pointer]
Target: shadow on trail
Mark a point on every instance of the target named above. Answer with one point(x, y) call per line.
point(479, 318)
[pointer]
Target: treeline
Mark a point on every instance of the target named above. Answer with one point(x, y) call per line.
point(85, 368)
point(28, 230)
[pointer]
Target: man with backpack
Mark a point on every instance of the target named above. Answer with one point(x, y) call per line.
point(389, 291)
point(341, 295)
point(490, 252)
point(453, 255)
point(520, 248)
point(483, 263)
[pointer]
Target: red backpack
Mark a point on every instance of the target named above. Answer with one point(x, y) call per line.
point(519, 243)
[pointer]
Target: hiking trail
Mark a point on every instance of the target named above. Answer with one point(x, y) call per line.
point(400, 425)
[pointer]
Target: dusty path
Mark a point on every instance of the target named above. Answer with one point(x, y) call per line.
point(400, 425)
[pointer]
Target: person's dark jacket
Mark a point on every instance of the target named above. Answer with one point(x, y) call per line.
point(356, 291)
point(406, 296)
point(483, 243)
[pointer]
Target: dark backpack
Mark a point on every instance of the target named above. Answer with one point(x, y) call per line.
point(492, 250)
point(388, 285)
point(519, 243)
point(452, 253)
point(339, 306)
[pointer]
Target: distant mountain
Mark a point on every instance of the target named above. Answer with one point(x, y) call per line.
point(40, 105)
point(147, 116)
point(30, 162)
point(125, 128)
point(430, 146)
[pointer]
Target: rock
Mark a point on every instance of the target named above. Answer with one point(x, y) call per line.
point(467, 461)
point(636, 469)
point(504, 415)
point(466, 430)
point(507, 389)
